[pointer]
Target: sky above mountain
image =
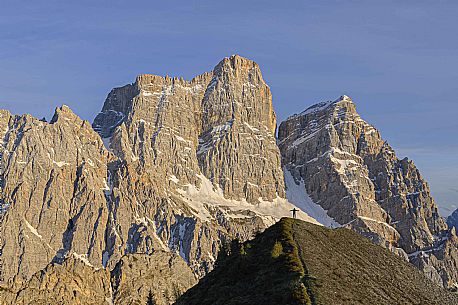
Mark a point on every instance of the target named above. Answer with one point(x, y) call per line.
point(398, 61)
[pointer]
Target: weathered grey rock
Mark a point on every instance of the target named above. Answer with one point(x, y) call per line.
point(166, 276)
point(219, 124)
point(350, 171)
point(237, 148)
point(76, 281)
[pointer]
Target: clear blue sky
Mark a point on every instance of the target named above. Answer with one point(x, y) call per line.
point(398, 61)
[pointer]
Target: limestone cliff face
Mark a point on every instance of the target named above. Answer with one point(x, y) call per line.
point(53, 177)
point(72, 282)
point(219, 124)
point(56, 215)
point(170, 137)
point(355, 175)
point(237, 148)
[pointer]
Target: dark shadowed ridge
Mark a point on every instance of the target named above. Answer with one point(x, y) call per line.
point(295, 262)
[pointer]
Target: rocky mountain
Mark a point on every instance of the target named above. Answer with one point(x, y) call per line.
point(349, 170)
point(180, 167)
point(295, 262)
point(195, 161)
point(452, 220)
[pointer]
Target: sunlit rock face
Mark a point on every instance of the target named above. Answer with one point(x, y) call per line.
point(184, 150)
point(53, 180)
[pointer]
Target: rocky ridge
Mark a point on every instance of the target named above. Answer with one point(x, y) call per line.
point(75, 281)
point(52, 192)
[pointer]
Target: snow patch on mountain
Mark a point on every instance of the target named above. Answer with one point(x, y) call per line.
point(297, 195)
point(207, 195)
point(83, 258)
point(32, 229)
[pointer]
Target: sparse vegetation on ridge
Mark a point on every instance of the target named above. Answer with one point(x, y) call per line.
point(266, 270)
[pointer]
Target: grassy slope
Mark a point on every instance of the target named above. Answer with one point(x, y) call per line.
point(294, 262)
point(350, 269)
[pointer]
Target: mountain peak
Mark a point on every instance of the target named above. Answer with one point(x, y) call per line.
point(64, 112)
point(236, 62)
point(330, 142)
point(322, 106)
point(237, 58)
point(343, 98)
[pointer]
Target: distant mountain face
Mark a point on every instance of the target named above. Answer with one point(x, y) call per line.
point(355, 175)
point(452, 220)
point(181, 166)
point(295, 262)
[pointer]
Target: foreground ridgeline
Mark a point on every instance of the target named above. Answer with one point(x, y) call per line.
point(172, 169)
point(295, 262)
